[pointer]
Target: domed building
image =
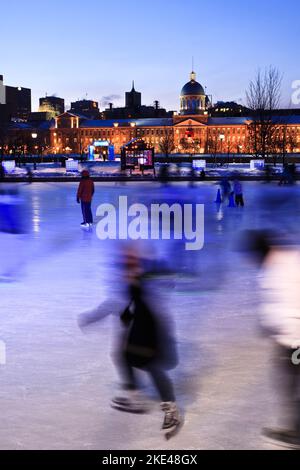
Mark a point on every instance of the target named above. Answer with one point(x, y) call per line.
point(193, 99)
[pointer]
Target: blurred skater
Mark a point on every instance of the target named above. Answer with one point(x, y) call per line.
point(85, 195)
point(238, 193)
point(148, 346)
point(164, 174)
point(225, 188)
point(268, 174)
point(146, 343)
point(13, 228)
point(285, 175)
point(280, 282)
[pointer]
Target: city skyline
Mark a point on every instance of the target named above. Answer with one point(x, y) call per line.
point(72, 55)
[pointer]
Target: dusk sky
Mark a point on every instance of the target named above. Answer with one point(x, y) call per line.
point(95, 48)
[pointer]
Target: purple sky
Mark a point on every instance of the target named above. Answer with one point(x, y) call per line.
point(96, 47)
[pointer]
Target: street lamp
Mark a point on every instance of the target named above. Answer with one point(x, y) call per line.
point(34, 137)
point(222, 138)
point(133, 126)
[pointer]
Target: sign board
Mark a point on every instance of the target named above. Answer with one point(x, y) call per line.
point(71, 165)
point(257, 164)
point(199, 164)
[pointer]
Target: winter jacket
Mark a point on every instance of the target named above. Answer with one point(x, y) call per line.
point(280, 282)
point(148, 338)
point(237, 188)
point(86, 190)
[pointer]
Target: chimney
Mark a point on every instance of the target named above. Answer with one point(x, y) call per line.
point(110, 106)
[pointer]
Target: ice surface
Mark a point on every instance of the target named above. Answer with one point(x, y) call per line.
point(58, 381)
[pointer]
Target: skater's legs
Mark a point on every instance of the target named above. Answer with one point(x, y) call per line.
point(288, 385)
point(87, 212)
point(162, 382)
point(83, 210)
point(126, 371)
point(239, 200)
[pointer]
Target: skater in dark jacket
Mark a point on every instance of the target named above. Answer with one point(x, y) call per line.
point(85, 195)
point(146, 342)
point(148, 345)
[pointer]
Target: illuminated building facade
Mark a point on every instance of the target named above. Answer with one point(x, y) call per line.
point(195, 130)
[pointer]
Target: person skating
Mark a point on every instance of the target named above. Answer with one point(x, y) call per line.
point(148, 346)
point(225, 188)
point(238, 193)
point(85, 195)
point(280, 280)
point(145, 342)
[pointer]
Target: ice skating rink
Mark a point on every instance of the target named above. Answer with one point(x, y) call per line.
point(57, 382)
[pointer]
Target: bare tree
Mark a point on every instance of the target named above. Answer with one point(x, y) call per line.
point(263, 98)
point(185, 144)
point(167, 144)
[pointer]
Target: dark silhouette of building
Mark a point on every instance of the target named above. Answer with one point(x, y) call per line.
point(134, 109)
point(18, 101)
point(86, 108)
point(15, 102)
point(133, 99)
point(229, 109)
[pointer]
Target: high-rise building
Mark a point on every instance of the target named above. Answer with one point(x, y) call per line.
point(15, 102)
point(86, 108)
point(53, 105)
point(18, 101)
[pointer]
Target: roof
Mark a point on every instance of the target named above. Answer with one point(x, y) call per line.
point(155, 122)
point(228, 121)
point(239, 121)
point(33, 125)
point(192, 88)
point(136, 141)
point(292, 119)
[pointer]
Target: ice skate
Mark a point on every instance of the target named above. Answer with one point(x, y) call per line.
point(172, 421)
point(282, 437)
point(131, 402)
